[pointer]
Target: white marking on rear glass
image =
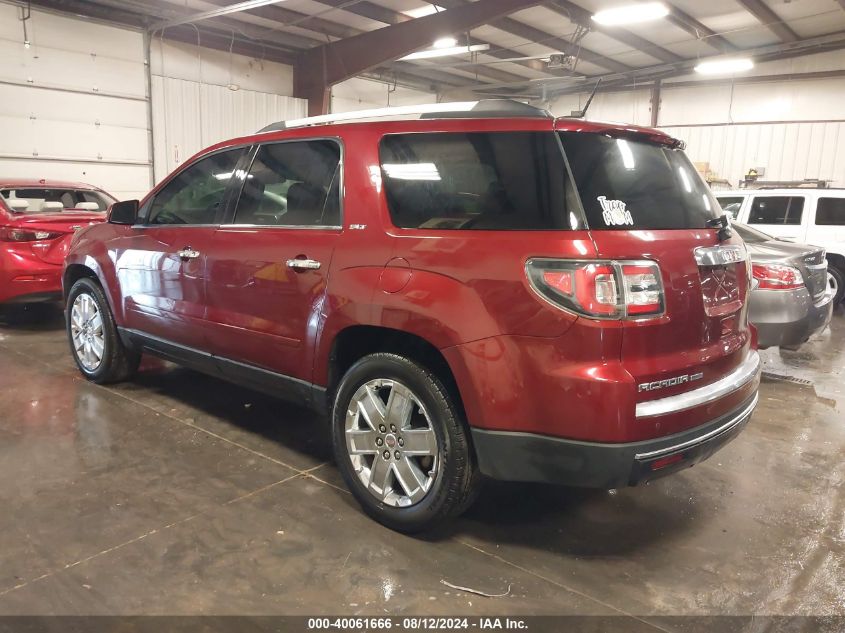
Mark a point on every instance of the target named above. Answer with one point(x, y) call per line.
point(615, 212)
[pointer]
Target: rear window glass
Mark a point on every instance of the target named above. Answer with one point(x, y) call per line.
point(730, 205)
point(776, 210)
point(34, 200)
point(476, 180)
point(831, 212)
point(626, 183)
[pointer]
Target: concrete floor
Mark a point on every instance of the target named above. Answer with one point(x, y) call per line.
point(181, 494)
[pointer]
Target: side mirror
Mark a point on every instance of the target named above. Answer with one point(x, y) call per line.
point(125, 212)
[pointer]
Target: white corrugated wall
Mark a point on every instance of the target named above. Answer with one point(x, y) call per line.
point(793, 129)
point(189, 116)
point(89, 124)
point(203, 96)
point(788, 151)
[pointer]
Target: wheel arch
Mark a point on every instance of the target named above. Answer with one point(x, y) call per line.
point(356, 341)
point(837, 260)
point(73, 273)
point(87, 268)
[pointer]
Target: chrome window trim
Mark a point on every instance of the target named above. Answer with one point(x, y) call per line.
point(174, 226)
point(727, 426)
point(329, 227)
point(747, 371)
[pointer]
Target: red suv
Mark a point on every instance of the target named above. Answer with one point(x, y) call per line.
point(480, 289)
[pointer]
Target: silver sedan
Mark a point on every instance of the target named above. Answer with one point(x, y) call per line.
point(792, 298)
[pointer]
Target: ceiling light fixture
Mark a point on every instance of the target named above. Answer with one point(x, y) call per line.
point(631, 14)
point(724, 66)
point(445, 52)
point(423, 11)
point(445, 42)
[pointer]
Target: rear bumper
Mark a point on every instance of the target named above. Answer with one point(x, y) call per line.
point(30, 286)
point(513, 456)
point(788, 318)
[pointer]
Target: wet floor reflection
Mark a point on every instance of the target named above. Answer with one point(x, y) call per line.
point(194, 488)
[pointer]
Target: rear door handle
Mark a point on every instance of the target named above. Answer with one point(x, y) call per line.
point(188, 253)
point(303, 264)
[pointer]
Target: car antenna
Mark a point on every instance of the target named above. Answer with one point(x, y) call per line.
point(580, 114)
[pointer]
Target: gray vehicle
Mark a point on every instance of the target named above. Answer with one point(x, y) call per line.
point(792, 297)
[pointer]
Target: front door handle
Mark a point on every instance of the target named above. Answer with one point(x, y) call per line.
point(188, 253)
point(303, 264)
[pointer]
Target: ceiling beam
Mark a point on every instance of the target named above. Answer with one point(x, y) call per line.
point(222, 42)
point(579, 15)
point(317, 69)
point(532, 34)
point(537, 36)
point(229, 9)
point(390, 16)
point(646, 75)
point(337, 30)
point(770, 20)
point(243, 37)
point(288, 17)
point(762, 54)
point(699, 31)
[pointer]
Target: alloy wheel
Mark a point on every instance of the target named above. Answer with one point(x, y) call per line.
point(86, 331)
point(391, 442)
point(832, 284)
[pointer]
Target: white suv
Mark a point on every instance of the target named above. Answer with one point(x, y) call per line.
point(812, 216)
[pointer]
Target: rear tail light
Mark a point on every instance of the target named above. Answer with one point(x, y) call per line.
point(777, 276)
point(599, 289)
point(11, 234)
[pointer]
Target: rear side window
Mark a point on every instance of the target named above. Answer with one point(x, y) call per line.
point(476, 180)
point(776, 210)
point(631, 184)
point(294, 183)
point(831, 212)
point(730, 205)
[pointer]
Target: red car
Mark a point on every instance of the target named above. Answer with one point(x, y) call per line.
point(481, 290)
point(37, 219)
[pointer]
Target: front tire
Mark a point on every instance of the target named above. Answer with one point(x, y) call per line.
point(401, 444)
point(94, 342)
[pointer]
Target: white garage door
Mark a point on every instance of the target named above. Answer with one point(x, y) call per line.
point(73, 105)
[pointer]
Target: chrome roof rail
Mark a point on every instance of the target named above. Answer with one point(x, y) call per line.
point(485, 108)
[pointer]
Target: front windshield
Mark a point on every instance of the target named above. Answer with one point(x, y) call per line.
point(49, 200)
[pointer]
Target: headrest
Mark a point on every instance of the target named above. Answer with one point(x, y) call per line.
point(88, 206)
point(52, 206)
point(17, 204)
point(303, 198)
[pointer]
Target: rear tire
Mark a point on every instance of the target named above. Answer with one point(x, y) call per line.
point(838, 282)
point(401, 444)
point(95, 343)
